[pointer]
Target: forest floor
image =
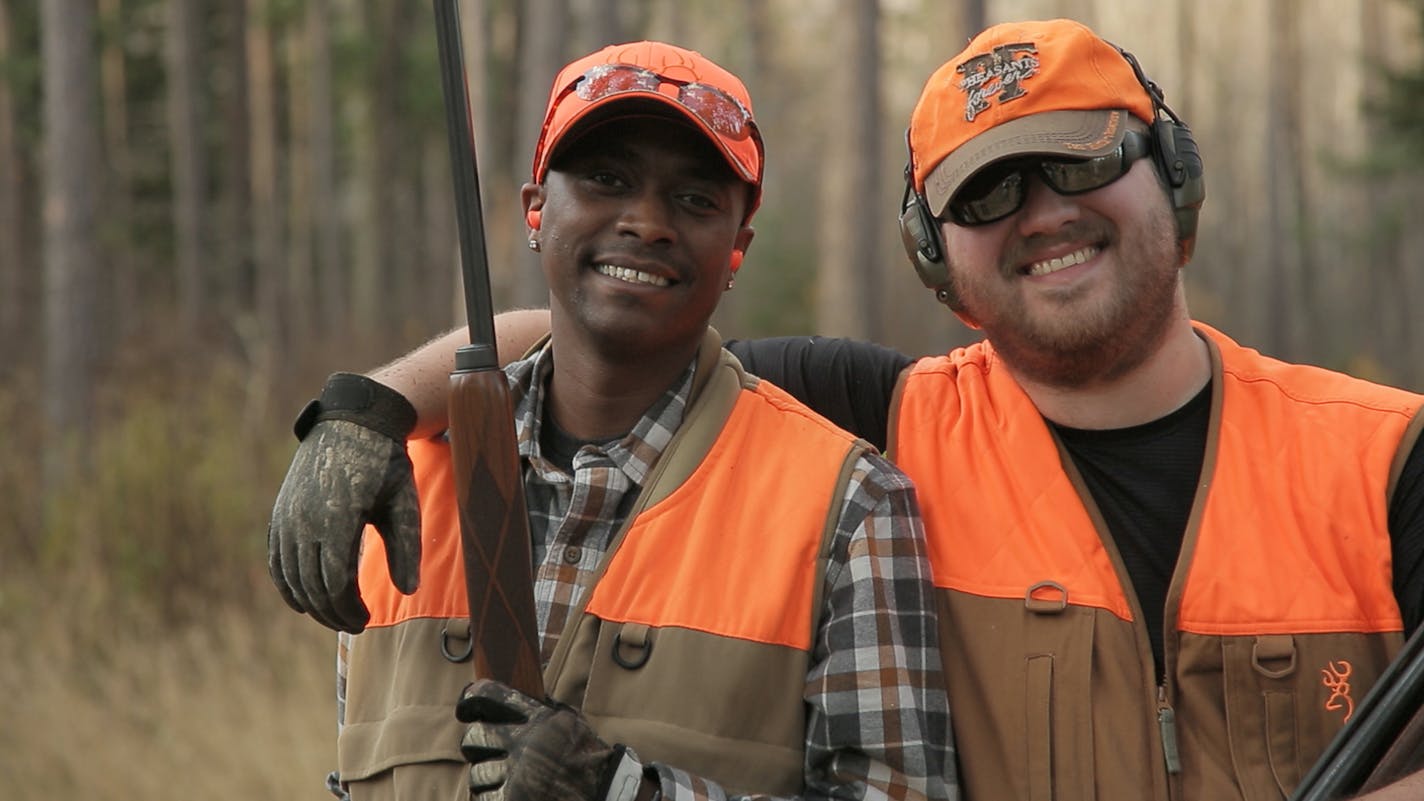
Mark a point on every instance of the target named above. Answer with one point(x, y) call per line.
point(237, 705)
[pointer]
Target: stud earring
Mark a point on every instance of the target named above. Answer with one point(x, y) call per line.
point(731, 281)
point(533, 244)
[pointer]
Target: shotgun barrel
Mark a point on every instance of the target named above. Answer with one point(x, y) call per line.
point(489, 484)
point(1383, 741)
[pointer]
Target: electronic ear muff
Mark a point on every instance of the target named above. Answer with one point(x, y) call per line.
point(919, 232)
point(532, 217)
point(1177, 158)
point(736, 261)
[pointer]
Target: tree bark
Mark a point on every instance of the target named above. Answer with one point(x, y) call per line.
point(605, 25)
point(396, 169)
point(849, 283)
point(975, 17)
point(1289, 263)
point(364, 275)
point(299, 292)
point(15, 257)
point(331, 304)
point(266, 218)
point(123, 314)
point(71, 251)
point(186, 161)
point(235, 281)
point(542, 45)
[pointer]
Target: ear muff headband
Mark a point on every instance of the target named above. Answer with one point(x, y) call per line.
point(1177, 158)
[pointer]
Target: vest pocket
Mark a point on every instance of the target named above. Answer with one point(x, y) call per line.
point(1038, 690)
point(1016, 674)
point(1260, 688)
point(1058, 670)
point(725, 709)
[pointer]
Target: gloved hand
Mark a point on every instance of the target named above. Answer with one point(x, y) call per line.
point(520, 749)
point(351, 469)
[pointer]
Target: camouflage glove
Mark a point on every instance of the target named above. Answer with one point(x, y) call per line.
point(351, 469)
point(520, 749)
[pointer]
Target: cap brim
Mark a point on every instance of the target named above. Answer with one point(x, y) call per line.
point(1077, 134)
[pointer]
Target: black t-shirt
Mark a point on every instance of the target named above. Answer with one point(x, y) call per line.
point(1142, 478)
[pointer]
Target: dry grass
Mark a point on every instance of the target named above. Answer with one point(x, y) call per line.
point(237, 706)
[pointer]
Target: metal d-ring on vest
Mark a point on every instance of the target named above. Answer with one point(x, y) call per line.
point(637, 637)
point(459, 630)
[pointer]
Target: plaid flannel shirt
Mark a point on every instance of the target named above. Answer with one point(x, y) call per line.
point(878, 718)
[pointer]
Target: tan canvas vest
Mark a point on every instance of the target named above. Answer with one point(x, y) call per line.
point(1279, 617)
point(693, 643)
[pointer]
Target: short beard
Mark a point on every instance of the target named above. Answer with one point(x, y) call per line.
point(1111, 339)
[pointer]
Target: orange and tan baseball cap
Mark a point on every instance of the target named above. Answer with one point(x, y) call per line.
point(712, 99)
point(1025, 88)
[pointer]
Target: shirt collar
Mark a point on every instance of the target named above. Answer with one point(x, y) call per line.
point(634, 454)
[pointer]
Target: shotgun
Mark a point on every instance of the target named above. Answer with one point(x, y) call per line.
point(489, 485)
point(1384, 740)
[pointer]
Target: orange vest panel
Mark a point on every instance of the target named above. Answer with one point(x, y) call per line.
point(442, 571)
point(708, 556)
point(990, 484)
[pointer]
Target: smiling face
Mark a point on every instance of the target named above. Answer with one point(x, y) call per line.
point(639, 217)
point(1071, 290)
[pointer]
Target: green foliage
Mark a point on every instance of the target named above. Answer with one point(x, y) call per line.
point(21, 69)
point(170, 513)
point(1399, 107)
point(422, 94)
point(775, 288)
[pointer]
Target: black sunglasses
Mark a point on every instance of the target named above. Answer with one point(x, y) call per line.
point(999, 190)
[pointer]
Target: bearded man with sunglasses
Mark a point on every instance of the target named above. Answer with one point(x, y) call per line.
point(733, 596)
point(1168, 566)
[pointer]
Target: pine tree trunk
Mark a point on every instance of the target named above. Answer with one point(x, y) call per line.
point(848, 286)
point(542, 44)
point(15, 257)
point(187, 163)
point(331, 302)
point(71, 251)
point(270, 338)
point(299, 295)
point(124, 313)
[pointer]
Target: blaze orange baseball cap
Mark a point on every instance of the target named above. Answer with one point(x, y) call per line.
point(1050, 88)
point(688, 83)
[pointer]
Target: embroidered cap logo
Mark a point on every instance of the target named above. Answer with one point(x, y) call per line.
point(1336, 678)
point(999, 72)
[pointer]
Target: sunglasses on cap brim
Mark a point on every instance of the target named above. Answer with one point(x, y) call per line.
point(999, 189)
point(721, 112)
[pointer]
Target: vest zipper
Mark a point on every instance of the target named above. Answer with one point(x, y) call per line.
point(1167, 725)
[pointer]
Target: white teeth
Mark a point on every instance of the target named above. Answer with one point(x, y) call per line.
point(631, 275)
point(1056, 264)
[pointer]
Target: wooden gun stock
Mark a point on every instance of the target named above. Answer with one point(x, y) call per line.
point(489, 483)
point(494, 526)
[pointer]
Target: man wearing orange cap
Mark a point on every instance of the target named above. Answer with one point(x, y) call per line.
point(733, 595)
point(1169, 567)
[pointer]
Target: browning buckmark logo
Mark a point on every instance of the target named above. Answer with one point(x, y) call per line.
point(1336, 678)
point(997, 75)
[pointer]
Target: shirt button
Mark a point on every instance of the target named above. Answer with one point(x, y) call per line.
point(572, 555)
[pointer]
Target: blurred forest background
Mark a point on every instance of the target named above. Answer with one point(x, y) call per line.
point(208, 205)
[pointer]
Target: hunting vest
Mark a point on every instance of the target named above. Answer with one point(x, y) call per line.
point(694, 641)
point(1279, 617)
